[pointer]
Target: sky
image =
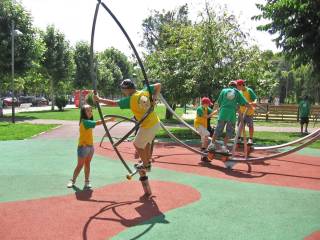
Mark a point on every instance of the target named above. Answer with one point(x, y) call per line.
point(74, 19)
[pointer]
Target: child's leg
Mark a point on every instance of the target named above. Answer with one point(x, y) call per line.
point(218, 131)
point(78, 168)
point(142, 143)
point(249, 122)
point(204, 134)
point(144, 154)
point(230, 129)
point(87, 167)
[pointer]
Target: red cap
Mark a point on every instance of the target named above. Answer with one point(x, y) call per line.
point(240, 82)
point(206, 100)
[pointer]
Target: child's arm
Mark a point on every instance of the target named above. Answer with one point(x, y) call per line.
point(108, 102)
point(213, 113)
point(99, 122)
point(157, 90)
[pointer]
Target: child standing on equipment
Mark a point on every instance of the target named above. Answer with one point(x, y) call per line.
point(85, 145)
point(201, 121)
point(251, 98)
point(138, 102)
point(209, 127)
point(228, 101)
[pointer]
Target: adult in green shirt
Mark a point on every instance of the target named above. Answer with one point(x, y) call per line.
point(304, 112)
point(228, 101)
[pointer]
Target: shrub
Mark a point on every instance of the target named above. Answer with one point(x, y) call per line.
point(61, 102)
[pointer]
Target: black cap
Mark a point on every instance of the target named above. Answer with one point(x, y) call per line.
point(127, 84)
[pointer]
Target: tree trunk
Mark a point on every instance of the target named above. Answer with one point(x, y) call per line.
point(169, 115)
point(52, 94)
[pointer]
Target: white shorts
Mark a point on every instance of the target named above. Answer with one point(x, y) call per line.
point(145, 136)
point(203, 132)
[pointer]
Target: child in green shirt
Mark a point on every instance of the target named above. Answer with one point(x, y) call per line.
point(228, 101)
point(304, 112)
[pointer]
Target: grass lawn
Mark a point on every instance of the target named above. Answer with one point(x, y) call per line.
point(260, 138)
point(74, 114)
point(19, 131)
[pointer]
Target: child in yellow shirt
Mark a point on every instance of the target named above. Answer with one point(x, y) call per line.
point(85, 145)
point(201, 122)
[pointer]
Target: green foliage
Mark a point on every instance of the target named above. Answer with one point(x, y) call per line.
point(26, 48)
point(296, 25)
point(113, 67)
point(57, 62)
point(198, 59)
point(61, 101)
point(90, 100)
point(81, 58)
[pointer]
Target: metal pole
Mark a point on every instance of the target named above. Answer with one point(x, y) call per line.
point(12, 69)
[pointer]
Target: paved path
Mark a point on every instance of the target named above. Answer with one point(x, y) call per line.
point(70, 129)
point(28, 108)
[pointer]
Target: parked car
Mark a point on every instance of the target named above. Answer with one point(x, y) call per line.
point(7, 102)
point(40, 101)
point(26, 99)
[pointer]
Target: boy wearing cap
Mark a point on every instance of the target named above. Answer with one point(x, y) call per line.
point(251, 98)
point(139, 103)
point(228, 101)
point(201, 122)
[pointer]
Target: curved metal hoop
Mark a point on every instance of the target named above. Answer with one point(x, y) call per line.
point(124, 119)
point(94, 80)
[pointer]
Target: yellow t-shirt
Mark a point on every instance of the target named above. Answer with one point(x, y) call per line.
point(201, 118)
point(133, 102)
point(86, 136)
point(250, 96)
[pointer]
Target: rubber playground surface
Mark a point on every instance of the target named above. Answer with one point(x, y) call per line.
point(279, 199)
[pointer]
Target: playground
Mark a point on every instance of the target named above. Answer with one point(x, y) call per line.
point(152, 168)
point(278, 199)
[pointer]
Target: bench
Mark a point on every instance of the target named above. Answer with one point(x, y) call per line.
point(283, 112)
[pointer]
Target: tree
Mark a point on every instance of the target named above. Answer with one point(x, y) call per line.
point(113, 67)
point(81, 57)
point(26, 50)
point(296, 23)
point(57, 61)
point(168, 37)
point(153, 26)
point(198, 59)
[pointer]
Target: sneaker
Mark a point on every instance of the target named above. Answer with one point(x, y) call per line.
point(250, 141)
point(70, 183)
point(205, 159)
point(87, 184)
point(140, 166)
point(148, 167)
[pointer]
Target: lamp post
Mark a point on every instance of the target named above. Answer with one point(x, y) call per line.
point(13, 34)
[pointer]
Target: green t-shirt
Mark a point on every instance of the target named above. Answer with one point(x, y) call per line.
point(89, 123)
point(228, 101)
point(304, 108)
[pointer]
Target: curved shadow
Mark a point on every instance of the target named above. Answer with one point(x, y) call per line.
point(149, 212)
